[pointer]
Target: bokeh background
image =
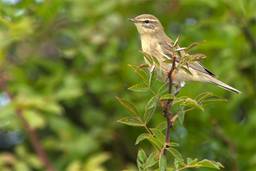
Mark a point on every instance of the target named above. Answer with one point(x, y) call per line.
point(62, 62)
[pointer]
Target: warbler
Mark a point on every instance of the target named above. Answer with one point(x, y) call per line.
point(156, 43)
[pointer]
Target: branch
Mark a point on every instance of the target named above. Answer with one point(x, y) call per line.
point(32, 134)
point(167, 109)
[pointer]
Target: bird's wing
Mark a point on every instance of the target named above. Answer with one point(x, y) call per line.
point(167, 50)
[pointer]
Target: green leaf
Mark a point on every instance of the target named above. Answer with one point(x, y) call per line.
point(152, 102)
point(70, 89)
point(167, 96)
point(210, 164)
point(140, 72)
point(204, 95)
point(181, 115)
point(197, 57)
point(95, 161)
point(158, 134)
point(148, 58)
point(155, 142)
point(192, 45)
point(208, 97)
point(188, 102)
point(162, 163)
point(152, 139)
point(151, 59)
point(176, 154)
point(132, 121)
point(168, 61)
point(142, 137)
point(178, 164)
point(129, 106)
point(155, 60)
point(151, 160)
point(139, 88)
point(150, 108)
point(34, 119)
point(194, 163)
point(150, 80)
point(176, 41)
point(174, 144)
point(141, 159)
point(191, 161)
point(142, 155)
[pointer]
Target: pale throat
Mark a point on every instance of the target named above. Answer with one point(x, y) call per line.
point(147, 43)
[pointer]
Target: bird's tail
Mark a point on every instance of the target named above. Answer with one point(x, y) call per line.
point(223, 85)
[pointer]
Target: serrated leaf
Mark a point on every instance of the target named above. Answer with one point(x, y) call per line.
point(132, 121)
point(139, 88)
point(162, 163)
point(128, 105)
point(210, 164)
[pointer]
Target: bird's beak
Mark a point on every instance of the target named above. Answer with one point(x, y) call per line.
point(132, 20)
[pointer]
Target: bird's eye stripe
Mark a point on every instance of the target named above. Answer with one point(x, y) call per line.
point(147, 21)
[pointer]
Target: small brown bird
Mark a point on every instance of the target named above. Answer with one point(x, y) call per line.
point(156, 43)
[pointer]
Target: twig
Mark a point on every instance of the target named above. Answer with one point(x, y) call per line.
point(33, 137)
point(167, 110)
point(32, 134)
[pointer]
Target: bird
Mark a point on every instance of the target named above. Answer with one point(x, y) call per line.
point(156, 43)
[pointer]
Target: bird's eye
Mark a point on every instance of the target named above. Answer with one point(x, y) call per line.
point(146, 21)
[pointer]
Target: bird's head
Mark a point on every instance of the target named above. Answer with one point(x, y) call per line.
point(147, 24)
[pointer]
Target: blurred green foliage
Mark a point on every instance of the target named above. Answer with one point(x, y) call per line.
point(66, 60)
